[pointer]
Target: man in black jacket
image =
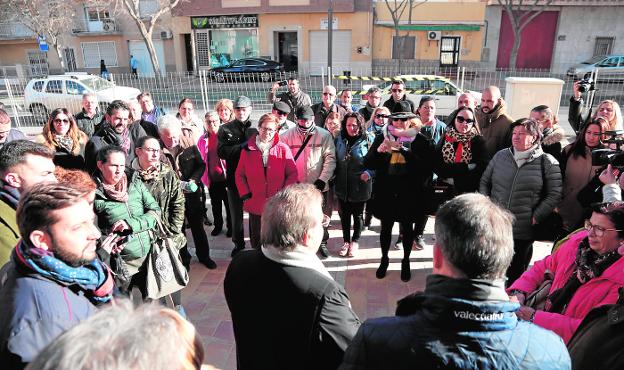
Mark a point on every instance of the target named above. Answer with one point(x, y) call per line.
point(326, 106)
point(287, 311)
point(398, 94)
point(115, 131)
point(232, 137)
point(90, 118)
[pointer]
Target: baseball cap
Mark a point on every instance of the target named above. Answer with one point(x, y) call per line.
point(305, 112)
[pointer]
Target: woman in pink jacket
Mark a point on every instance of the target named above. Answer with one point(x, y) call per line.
point(588, 270)
point(265, 167)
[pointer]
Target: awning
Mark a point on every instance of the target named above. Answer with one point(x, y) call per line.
point(445, 27)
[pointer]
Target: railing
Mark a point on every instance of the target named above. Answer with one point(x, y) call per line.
point(105, 26)
point(15, 30)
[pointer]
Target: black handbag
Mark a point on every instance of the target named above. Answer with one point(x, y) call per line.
point(439, 193)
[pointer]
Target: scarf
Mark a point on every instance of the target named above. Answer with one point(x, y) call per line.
point(148, 174)
point(306, 131)
point(397, 165)
point(122, 140)
point(298, 257)
point(463, 152)
point(117, 192)
point(589, 265)
point(522, 157)
point(264, 149)
point(9, 195)
point(94, 278)
point(64, 142)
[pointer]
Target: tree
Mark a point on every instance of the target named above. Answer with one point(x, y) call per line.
point(397, 9)
point(520, 15)
point(144, 22)
point(48, 18)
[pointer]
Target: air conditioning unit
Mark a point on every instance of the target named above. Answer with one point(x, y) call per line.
point(434, 35)
point(165, 35)
point(108, 25)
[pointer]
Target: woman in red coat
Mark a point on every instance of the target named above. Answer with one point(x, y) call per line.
point(266, 166)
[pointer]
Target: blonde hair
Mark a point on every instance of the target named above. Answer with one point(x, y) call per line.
point(74, 132)
point(375, 112)
point(616, 122)
point(225, 103)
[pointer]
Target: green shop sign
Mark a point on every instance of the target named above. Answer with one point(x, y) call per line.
point(225, 21)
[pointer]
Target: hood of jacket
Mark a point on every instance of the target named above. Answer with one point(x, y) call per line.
point(487, 118)
point(556, 135)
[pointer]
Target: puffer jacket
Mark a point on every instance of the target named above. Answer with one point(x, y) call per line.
point(528, 192)
point(594, 293)
point(454, 326)
point(231, 138)
point(495, 128)
point(257, 183)
point(167, 192)
point(348, 185)
point(318, 159)
point(136, 213)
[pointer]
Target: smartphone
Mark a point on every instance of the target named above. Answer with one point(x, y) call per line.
point(283, 83)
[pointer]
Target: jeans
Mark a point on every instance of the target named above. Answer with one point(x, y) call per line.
point(347, 210)
point(218, 198)
point(254, 230)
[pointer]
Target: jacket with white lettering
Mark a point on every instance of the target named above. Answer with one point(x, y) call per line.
point(455, 324)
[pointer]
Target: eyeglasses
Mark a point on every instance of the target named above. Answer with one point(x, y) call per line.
point(397, 90)
point(264, 129)
point(240, 108)
point(151, 150)
point(400, 119)
point(280, 113)
point(58, 120)
point(381, 116)
point(468, 121)
point(598, 230)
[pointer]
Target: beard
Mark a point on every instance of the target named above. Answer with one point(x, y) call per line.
point(70, 258)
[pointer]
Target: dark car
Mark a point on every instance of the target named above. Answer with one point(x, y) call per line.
point(248, 68)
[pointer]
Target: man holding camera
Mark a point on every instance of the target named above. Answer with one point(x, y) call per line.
point(294, 97)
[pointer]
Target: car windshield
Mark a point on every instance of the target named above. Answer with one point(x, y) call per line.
point(594, 60)
point(96, 83)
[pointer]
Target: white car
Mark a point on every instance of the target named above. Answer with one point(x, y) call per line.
point(42, 95)
point(442, 89)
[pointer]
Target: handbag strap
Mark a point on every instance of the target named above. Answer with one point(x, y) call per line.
point(303, 145)
point(160, 227)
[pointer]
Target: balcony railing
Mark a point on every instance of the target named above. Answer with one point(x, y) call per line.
point(105, 26)
point(15, 30)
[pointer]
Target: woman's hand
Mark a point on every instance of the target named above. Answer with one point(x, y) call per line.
point(575, 89)
point(111, 243)
point(121, 227)
point(526, 313)
point(607, 176)
point(364, 176)
point(518, 298)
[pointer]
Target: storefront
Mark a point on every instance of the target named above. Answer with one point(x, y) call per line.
point(224, 38)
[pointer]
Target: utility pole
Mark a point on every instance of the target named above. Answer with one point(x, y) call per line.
point(330, 27)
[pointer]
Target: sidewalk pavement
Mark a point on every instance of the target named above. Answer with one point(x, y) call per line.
point(370, 297)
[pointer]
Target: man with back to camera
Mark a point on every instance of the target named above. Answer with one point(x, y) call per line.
point(464, 318)
point(55, 280)
point(232, 137)
point(89, 119)
point(373, 97)
point(23, 164)
point(397, 90)
point(493, 120)
point(294, 97)
point(304, 320)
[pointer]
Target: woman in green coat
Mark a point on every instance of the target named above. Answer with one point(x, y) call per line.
point(125, 206)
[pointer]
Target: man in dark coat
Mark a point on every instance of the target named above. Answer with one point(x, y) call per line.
point(287, 311)
point(115, 131)
point(373, 97)
point(232, 137)
point(398, 94)
point(89, 119)
point(464, 318)
point(494, 122)
point(326, 106)
point(294, 97)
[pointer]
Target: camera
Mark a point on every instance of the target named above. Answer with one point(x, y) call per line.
point(614, 157)
point(586, 84)
point(282, 83)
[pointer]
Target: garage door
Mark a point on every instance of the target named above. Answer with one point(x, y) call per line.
point(139, 50)
point(341, 51)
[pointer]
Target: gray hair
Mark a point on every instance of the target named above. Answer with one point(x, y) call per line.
point(475, 236)
point(331, 87)
point(121, 337)
point(168, 121)
point(89, 95)
point(212, 114)
point(287, 216)
point(373, 89)
point(531, 126)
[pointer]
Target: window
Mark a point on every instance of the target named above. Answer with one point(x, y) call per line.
point(403, 47)
point(604, 45)
point(417, 85)
point(97, 14)
point(610, 62)
point(94, 52)
point(74, 88)
point(38, 86)
point(204, 59)
point(54, 87)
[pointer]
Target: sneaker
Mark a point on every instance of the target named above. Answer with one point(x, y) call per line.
point(419, 243)
point(399, 242)
point(383, 267)
point(344, 250)
point(323, 250)
point(237, 249)
point(406, 273)
point(353, 250)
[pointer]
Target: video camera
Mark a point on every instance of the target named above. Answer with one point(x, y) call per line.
point(614, 157)
point(586, 84)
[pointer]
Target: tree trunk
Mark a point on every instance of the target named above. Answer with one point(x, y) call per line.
point(152, 52)
point(59, 52)
point(514, 50)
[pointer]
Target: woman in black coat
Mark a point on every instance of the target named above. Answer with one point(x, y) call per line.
point(400, 178)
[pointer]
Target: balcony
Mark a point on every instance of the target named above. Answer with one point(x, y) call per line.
point(100, 27)
point(15, 30)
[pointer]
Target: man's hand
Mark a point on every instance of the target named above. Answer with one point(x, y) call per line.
point(607, 176)
point(275, 86)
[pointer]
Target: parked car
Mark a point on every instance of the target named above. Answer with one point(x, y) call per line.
point(43, 95)
point(248, 68)
point(609, 67)
point(444, 91)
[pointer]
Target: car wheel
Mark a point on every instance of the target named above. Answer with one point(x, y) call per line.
point(265, 77)
point(39, 111)
point(219, 77)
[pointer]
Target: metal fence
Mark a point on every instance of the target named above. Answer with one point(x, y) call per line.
point(170, 88)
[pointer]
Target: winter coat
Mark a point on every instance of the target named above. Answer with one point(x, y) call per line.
point(140, 212)
point(318, 159)
point(348, 186)
point(100, 139)
point(554, 141)
point(232, 136)
point(299, 100)
point(465, 180)
point(187, 163)
point(65, 159)
point(89, 125)
point(595, 292)
point(321, 113)
point(9, 232)
point(529, 192)
point(168, 194)
point(435, 131)
point(207, 147)
point(35, 310)
point(390, 103)
point(257, 183)
point(400, 197)
point(366, 112)
point(449, 326)
point(495, 128)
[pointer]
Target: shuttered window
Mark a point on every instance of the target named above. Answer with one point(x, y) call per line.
point(94, 52)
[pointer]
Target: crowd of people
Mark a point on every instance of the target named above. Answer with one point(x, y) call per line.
point(83, 205)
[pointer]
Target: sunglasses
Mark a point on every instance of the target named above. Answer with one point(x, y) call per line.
point(461, 119)
point(400, 119)
point(381, 116)
point(397, 90)
point(58, 120)
point(280, 113)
